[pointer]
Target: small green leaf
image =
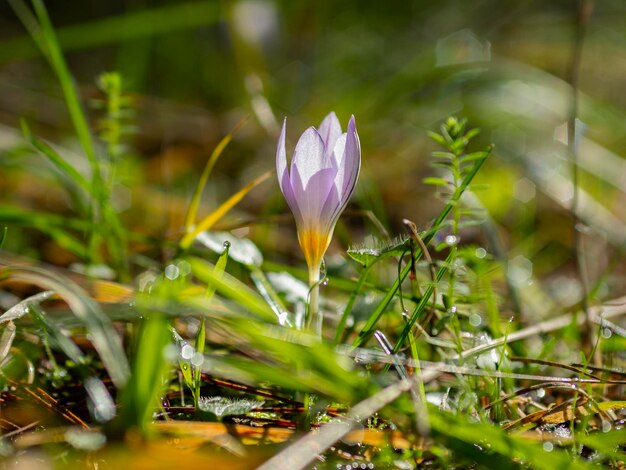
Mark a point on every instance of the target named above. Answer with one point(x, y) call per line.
point(470, 157)
point(437, 138)
point(446, 155)
point(472, 133)
point(374, 250)
point(436, 181)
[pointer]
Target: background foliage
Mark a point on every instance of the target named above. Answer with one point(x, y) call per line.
point(110, 113)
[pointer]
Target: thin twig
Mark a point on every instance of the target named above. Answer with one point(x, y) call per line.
point(412, 228)
point(304, 451)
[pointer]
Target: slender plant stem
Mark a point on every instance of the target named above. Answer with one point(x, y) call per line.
point(314, 320)
point(582, 17)
point(313, 324)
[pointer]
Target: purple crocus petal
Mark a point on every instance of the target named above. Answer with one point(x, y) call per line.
point(338, 158)
point(281, 158)
point(287, 190)
point(309, 156)
point(330, 130)
point(310, 198)
point(351, 163)
point(331, 209)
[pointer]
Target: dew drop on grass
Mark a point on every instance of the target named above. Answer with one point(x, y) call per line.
point(475, 320)
point(226, 245)
point(606, 426)
point(541, 393)
point(480, 253)
point(325, 282)
point(197, 359)
point(172, 272)
point(451, 240)
point(187, 352)
point(548, 446)
point(184, 268)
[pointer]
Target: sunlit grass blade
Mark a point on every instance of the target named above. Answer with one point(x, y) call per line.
point(103, 405)
point(197, 375)
point(6, 340)
point(57, 160)
point(47, 41)
point(104, 336)
point(22, 308)
point(421, 305)
point(609, 443)
point(51, 50)
point(105, 226)
point(51, 224)
point(190, 219)
point(218, 213)
point(269, 294)
point(427, 236)
point(148, 379)
point(232, 288)
point(492, 447)
point(255, 372)
point(293, 359)
point(220, 266)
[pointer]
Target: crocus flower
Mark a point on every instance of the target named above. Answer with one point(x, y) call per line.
point(323, 173)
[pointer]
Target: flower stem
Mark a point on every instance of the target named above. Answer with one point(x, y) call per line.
point(314, 319)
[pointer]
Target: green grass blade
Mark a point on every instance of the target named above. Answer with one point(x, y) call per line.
point(217, 214)
point(51, 224)
point(52, 51)
point(493, 447)
point(421, 305)
point(57, 160)
point(100, 328)
point(292, 359)
point(103, 405)
point(43, 34)
point(269, 294)
point(370, 325)
point(150, 367)
point(233, 289)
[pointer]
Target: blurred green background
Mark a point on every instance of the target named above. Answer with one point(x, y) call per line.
point(195, 69)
